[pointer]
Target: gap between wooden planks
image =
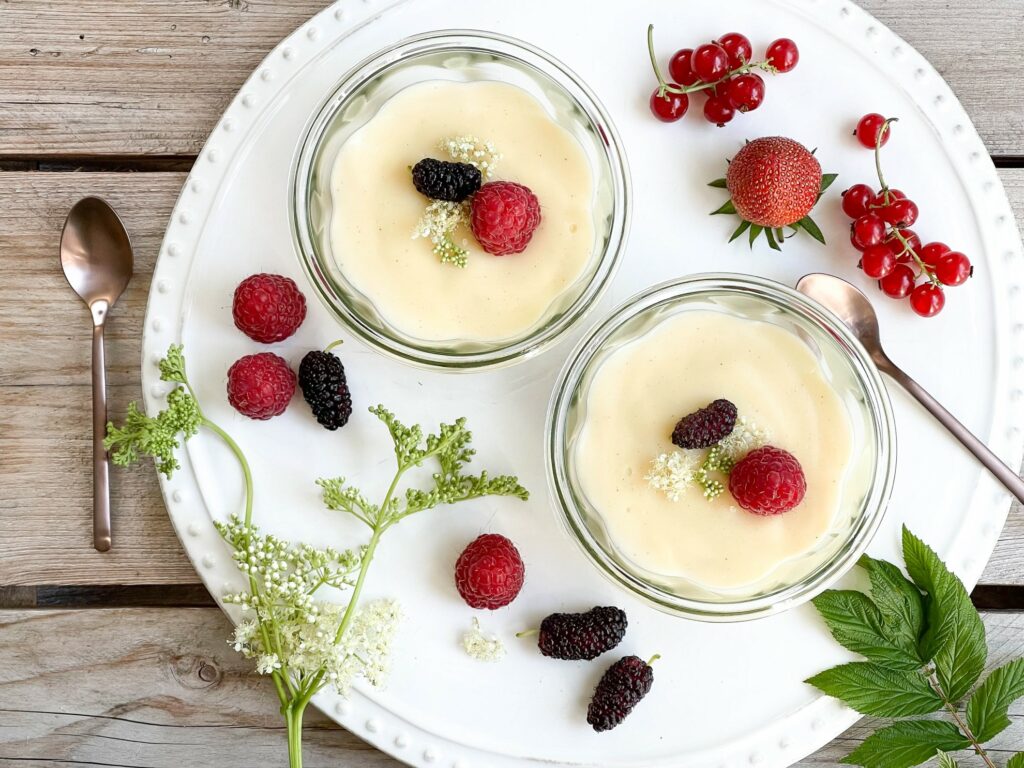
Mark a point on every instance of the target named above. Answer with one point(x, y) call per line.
point(172, 693)
point(45, 482)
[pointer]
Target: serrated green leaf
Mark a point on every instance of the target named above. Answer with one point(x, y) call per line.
point(826, 180)
point(955, 636)
point(770, 234)
point(1017, 761)
point(743, 227)
point(988, 709)
point(871, 689)
point(718, 184)
point(755, 232)
point(726, 207)
point(898, 601)
point(907, 743)
point(808, 225)
point(857, 625)
point(945, 761)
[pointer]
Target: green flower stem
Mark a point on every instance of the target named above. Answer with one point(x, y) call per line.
point(293, 719)
point(965, 729)
point(246, 470)
point(882, 133)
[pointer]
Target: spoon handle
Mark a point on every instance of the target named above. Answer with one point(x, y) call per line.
point(101, 537)
point(992, 463)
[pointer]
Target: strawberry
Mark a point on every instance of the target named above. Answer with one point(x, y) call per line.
point(774, 183)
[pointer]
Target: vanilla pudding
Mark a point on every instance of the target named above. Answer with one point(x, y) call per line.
point(376, 210)
point(685, 362)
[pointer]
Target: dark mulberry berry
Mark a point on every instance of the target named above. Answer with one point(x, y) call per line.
point(442, 180)
point(621, 688)
point(704, 428)
point(322, 379)
point(577, 636)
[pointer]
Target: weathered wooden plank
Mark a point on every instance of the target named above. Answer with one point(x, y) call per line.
point(45, 482)
point(171, 692)
point(118, 77)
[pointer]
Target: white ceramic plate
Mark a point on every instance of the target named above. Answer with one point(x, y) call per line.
point(725, 694)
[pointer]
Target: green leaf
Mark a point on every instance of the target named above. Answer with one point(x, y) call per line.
point(755, 232)
point(907, 743)
point(988, 709)
point(898, 601)
point(1017, 761)
point(826, 180)
point(743, 227)
point(871, 689)
point(955, 636)
point(718, 184)
point(856, 624)
point(808, 225)
point(945, 761)
point(727, 207)
point(771, 239)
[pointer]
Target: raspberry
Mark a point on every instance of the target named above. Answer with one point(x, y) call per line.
point(489, 572)
point(268, 308)
point(621, 688)
point(768, 481)
point(504, 216)
point(442, 180)
point(323, 383)
point(577, 636)
point(260, 386)
point(704, 428)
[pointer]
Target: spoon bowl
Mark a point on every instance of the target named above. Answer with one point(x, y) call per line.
point(96, 256)
point(854, 308)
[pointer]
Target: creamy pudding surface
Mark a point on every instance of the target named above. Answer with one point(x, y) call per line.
point(376, 210)
point(687, 361)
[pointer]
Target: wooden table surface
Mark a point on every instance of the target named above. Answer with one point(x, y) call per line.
point(119, 659)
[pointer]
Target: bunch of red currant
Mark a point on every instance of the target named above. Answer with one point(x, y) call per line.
point(891, 252)
point(723, 71)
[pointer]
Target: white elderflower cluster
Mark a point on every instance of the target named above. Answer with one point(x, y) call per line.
point(478, 153)
point(672, 473)
point(438, 223)
point(480, 646)
point(306, 643)
point(745, 437)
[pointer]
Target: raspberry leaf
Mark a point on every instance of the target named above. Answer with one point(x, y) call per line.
point(726, 207)
point(945, 761)
point(899, 603)
point(955, 637)
point(1017, 761)
point(718, 184)
point(808, 225)
point(857, 624)
point(988, 709)
point(906, 743)
point(743, 227)
point(872, 689)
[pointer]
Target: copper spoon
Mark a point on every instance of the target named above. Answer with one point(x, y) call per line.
point(855, 310)
point(96, 255)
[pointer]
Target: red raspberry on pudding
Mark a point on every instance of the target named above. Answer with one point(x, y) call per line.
point(504, 216)
point(768, 481)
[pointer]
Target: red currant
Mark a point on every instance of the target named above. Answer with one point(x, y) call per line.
point(899, 283)
point(718, 110)
point(670, 107)
point(927, 299)
point(783, 54)
point(953, 269)
point(868, 129)
point(738, 48)
point(933, 252)
point(868, 230)
point(878, 261)
point(901, 213)
point(856, 200)
point(680, 67)
point(710, 62)
point(745, 92)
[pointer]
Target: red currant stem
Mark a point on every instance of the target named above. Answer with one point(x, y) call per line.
point(925, 270)
point(664, 87)
point(878, 156)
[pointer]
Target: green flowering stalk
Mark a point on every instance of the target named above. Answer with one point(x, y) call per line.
point(302, 643)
